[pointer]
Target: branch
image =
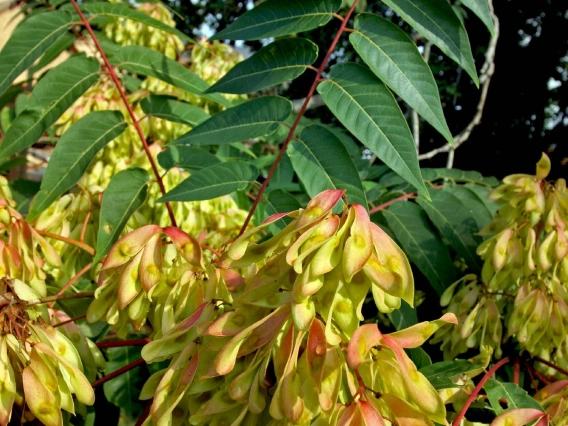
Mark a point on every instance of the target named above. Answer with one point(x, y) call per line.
point(122, 343)
point(551, 365)
point(477, 389)
point(128, 107)
point(59, 324)
point(73, 280)
point(394, 200)
point(298, 117)
point(82, 245)
point(57, 297)
point(401, 198)
point(118, 372)
point(487, 72)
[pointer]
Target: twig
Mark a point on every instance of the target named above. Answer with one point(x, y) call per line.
point(529, 370)
point(477, 389)
point(299, 116)
point(401, 198)
point(84, 227)
point(517, 371)
point(73, 281)
point(135, 121)
point(122, 343)
point(59, 324)
point(394, 200)
point(486, 73)
point(48, 299)
point(118, 372)
point(212, 250)
point(551, 365)
point(82, 245)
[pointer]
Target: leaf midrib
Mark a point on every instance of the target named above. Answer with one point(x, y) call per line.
point(417, 244)
point(122, 218)
point(70, 168)
point(375, 124)
point(53, 105)
point(37, 46)
point(403, 74)
point(454, 231)
point(441, 29)
point(291, 17)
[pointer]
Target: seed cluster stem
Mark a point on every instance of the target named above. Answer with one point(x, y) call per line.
point(299, 116)
point(135, 121)
point(478, 388)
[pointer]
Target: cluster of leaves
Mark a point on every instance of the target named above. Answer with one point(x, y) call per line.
point(264, 328)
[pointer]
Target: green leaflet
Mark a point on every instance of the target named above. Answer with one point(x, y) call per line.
point(146, 61)
point(395, 59)
point(276, 18)
point(454, 222)
point(440, 374)
point(515, 396)
point(29, 41)
point(251, 119)
point(126, 192)
point(368, 110)
point(213, 181)
point(123, 10)
point(186, 157)
point(437, 21)
point(171, 109)
point(73, 154)
point(421, 244)
point(280, 61)
point(482, 10)
point(50, 98)
point(322, 162)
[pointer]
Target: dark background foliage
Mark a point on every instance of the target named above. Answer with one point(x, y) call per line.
point(517, 124)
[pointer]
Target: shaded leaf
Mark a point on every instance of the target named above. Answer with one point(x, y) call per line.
point(280, 61)
point(451, 218)
point(476, 208)
point(419, 357)
point(368, 110)
point(482, 10)
point(251, 119)
point(29, 41)
point(186, 157)
point(322, 162)
point(212, 182)
point(437, 21)
point(515, 396)
point(280, 202)
point(173, 110)
point(404, 317)
point(146, 61)
point(50, 98)
point(123, 391)
point(421, 244)
point(440, 374)
point(275, 18)
point(22, 192)
point(482, 193)
point(283, 174)
point(395, 59)
point(73, 154)
point(126, 192)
